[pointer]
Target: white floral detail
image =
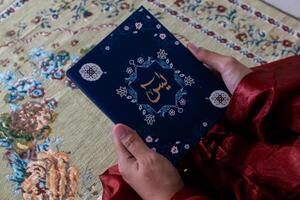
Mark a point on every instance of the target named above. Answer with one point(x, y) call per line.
point(126, 28)
point(204, 124)
point(138, 25)
point(219, 98)
point(156, 140)
point(149, 139)
point(177, 142)
point(150, 114)
point(187, 146)
point(150, 119)
point(162, 36)
point(171, 112)
point(174, 150)
point(140, 60)
point(182, 102)
point(107, 48)
point(90, 72)
point(122, 91)
point(158, 26)
point(162, 54)
point(153, 149)
point(176, 43)
point(129, 70)
point(189, 81)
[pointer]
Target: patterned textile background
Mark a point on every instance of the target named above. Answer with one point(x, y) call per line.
point(53, 141)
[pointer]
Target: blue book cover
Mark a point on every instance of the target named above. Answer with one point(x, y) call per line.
point(142, 76)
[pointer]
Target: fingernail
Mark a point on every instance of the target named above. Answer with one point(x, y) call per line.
point(120, 131)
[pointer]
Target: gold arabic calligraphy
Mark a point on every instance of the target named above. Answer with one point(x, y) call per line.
point(153, 94)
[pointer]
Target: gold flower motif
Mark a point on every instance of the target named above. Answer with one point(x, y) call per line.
point(50, 176)
point(32, 118)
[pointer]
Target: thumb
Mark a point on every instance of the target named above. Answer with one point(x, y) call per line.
point(213, 60)
point(129, 143)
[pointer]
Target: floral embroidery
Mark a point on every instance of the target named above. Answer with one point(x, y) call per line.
point(138, 25)
point(150, 119)
point(162, 36)
point(91, 72)
point(51, 64)
point(21, 127)
point(140, 60)
point(129, 70)
point(206, 31)
point(246, 32)
point(219, 98)
point(50, 176)
point(266, 18)
point(162, 54)
point(172, 112)
point(112, 7)
point(149, 111)
point(122, 91)
point(189, 81)
point(149, 139)
point(174, 150)
point(182, 102)
point(11, 9)
point(17, 90)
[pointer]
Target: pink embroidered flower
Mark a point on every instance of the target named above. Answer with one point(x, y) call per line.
point(241, 36)
point(149, 139)
point(74, 42)
point(36, 20)
point(221, 8)
point(174, 150)
point(287, 43)
point(285, 28)
point(245, 7)
point(55, 170)
point(162, 36)
point(258, 14)
point(138, 25)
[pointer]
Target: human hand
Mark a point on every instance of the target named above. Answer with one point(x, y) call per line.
point(150, 174)
point(231, 70)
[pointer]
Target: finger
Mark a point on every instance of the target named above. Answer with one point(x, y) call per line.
point(131, 141)
point(124, 156)
point(212, 60)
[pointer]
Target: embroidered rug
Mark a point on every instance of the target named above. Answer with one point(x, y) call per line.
point(53, 141)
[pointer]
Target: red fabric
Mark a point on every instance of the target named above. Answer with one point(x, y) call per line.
point(254, 153)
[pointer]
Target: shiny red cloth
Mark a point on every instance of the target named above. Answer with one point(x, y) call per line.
point(253, 153)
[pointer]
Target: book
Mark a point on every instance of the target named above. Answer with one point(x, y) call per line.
point(142, 76)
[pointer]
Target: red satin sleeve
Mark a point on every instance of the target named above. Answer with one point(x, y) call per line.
point(266, 102)
point(189, 193)
point(254, 153)
point(115, 188)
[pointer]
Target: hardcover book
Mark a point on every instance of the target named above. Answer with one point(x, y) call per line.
point(142, 76)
